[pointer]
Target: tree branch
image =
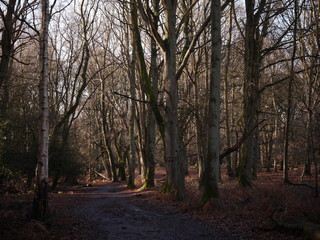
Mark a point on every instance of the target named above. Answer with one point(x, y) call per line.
point(194, 41)
point(238, 144)
point(283, 79)
point(131, 98)
point(146, 16)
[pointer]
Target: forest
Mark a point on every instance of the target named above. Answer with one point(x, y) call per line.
point(213, 99)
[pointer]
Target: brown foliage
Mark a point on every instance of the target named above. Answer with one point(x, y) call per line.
point(247, 213)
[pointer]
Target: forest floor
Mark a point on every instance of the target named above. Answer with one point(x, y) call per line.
point(111, 211)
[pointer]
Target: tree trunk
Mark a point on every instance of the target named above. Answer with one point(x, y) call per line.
point(104, 161)
point(122, 158)
point(209, 181)
point(61, 139)
point(226, 99)
point(150, 89)
point(275, 135)
point(290, 86)
point(132, 113)
point(310, 147)
point(40, 202)
point(174, 180)
point(201, 124)
point(6, 51)
point(112, 160)
point(252, 62)
point(105, 140)
point(151, 125)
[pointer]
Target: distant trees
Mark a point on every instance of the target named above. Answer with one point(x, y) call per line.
point(17, 141)
point(73, 70)
point(309, 50)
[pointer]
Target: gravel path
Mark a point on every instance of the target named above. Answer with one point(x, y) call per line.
point(116, 217)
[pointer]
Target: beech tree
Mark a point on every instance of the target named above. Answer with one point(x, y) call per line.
point(174, 180)
point(132, 115)
point(151, 124)
point(210, 178)
point(253, 41)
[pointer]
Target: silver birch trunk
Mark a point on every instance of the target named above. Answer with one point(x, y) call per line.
point(40, 203)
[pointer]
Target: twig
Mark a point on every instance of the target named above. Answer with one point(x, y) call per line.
point(134, 99)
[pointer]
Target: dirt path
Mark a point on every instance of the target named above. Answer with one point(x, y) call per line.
point(117, 216)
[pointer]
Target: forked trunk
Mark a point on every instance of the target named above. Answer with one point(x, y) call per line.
point(174, 181)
